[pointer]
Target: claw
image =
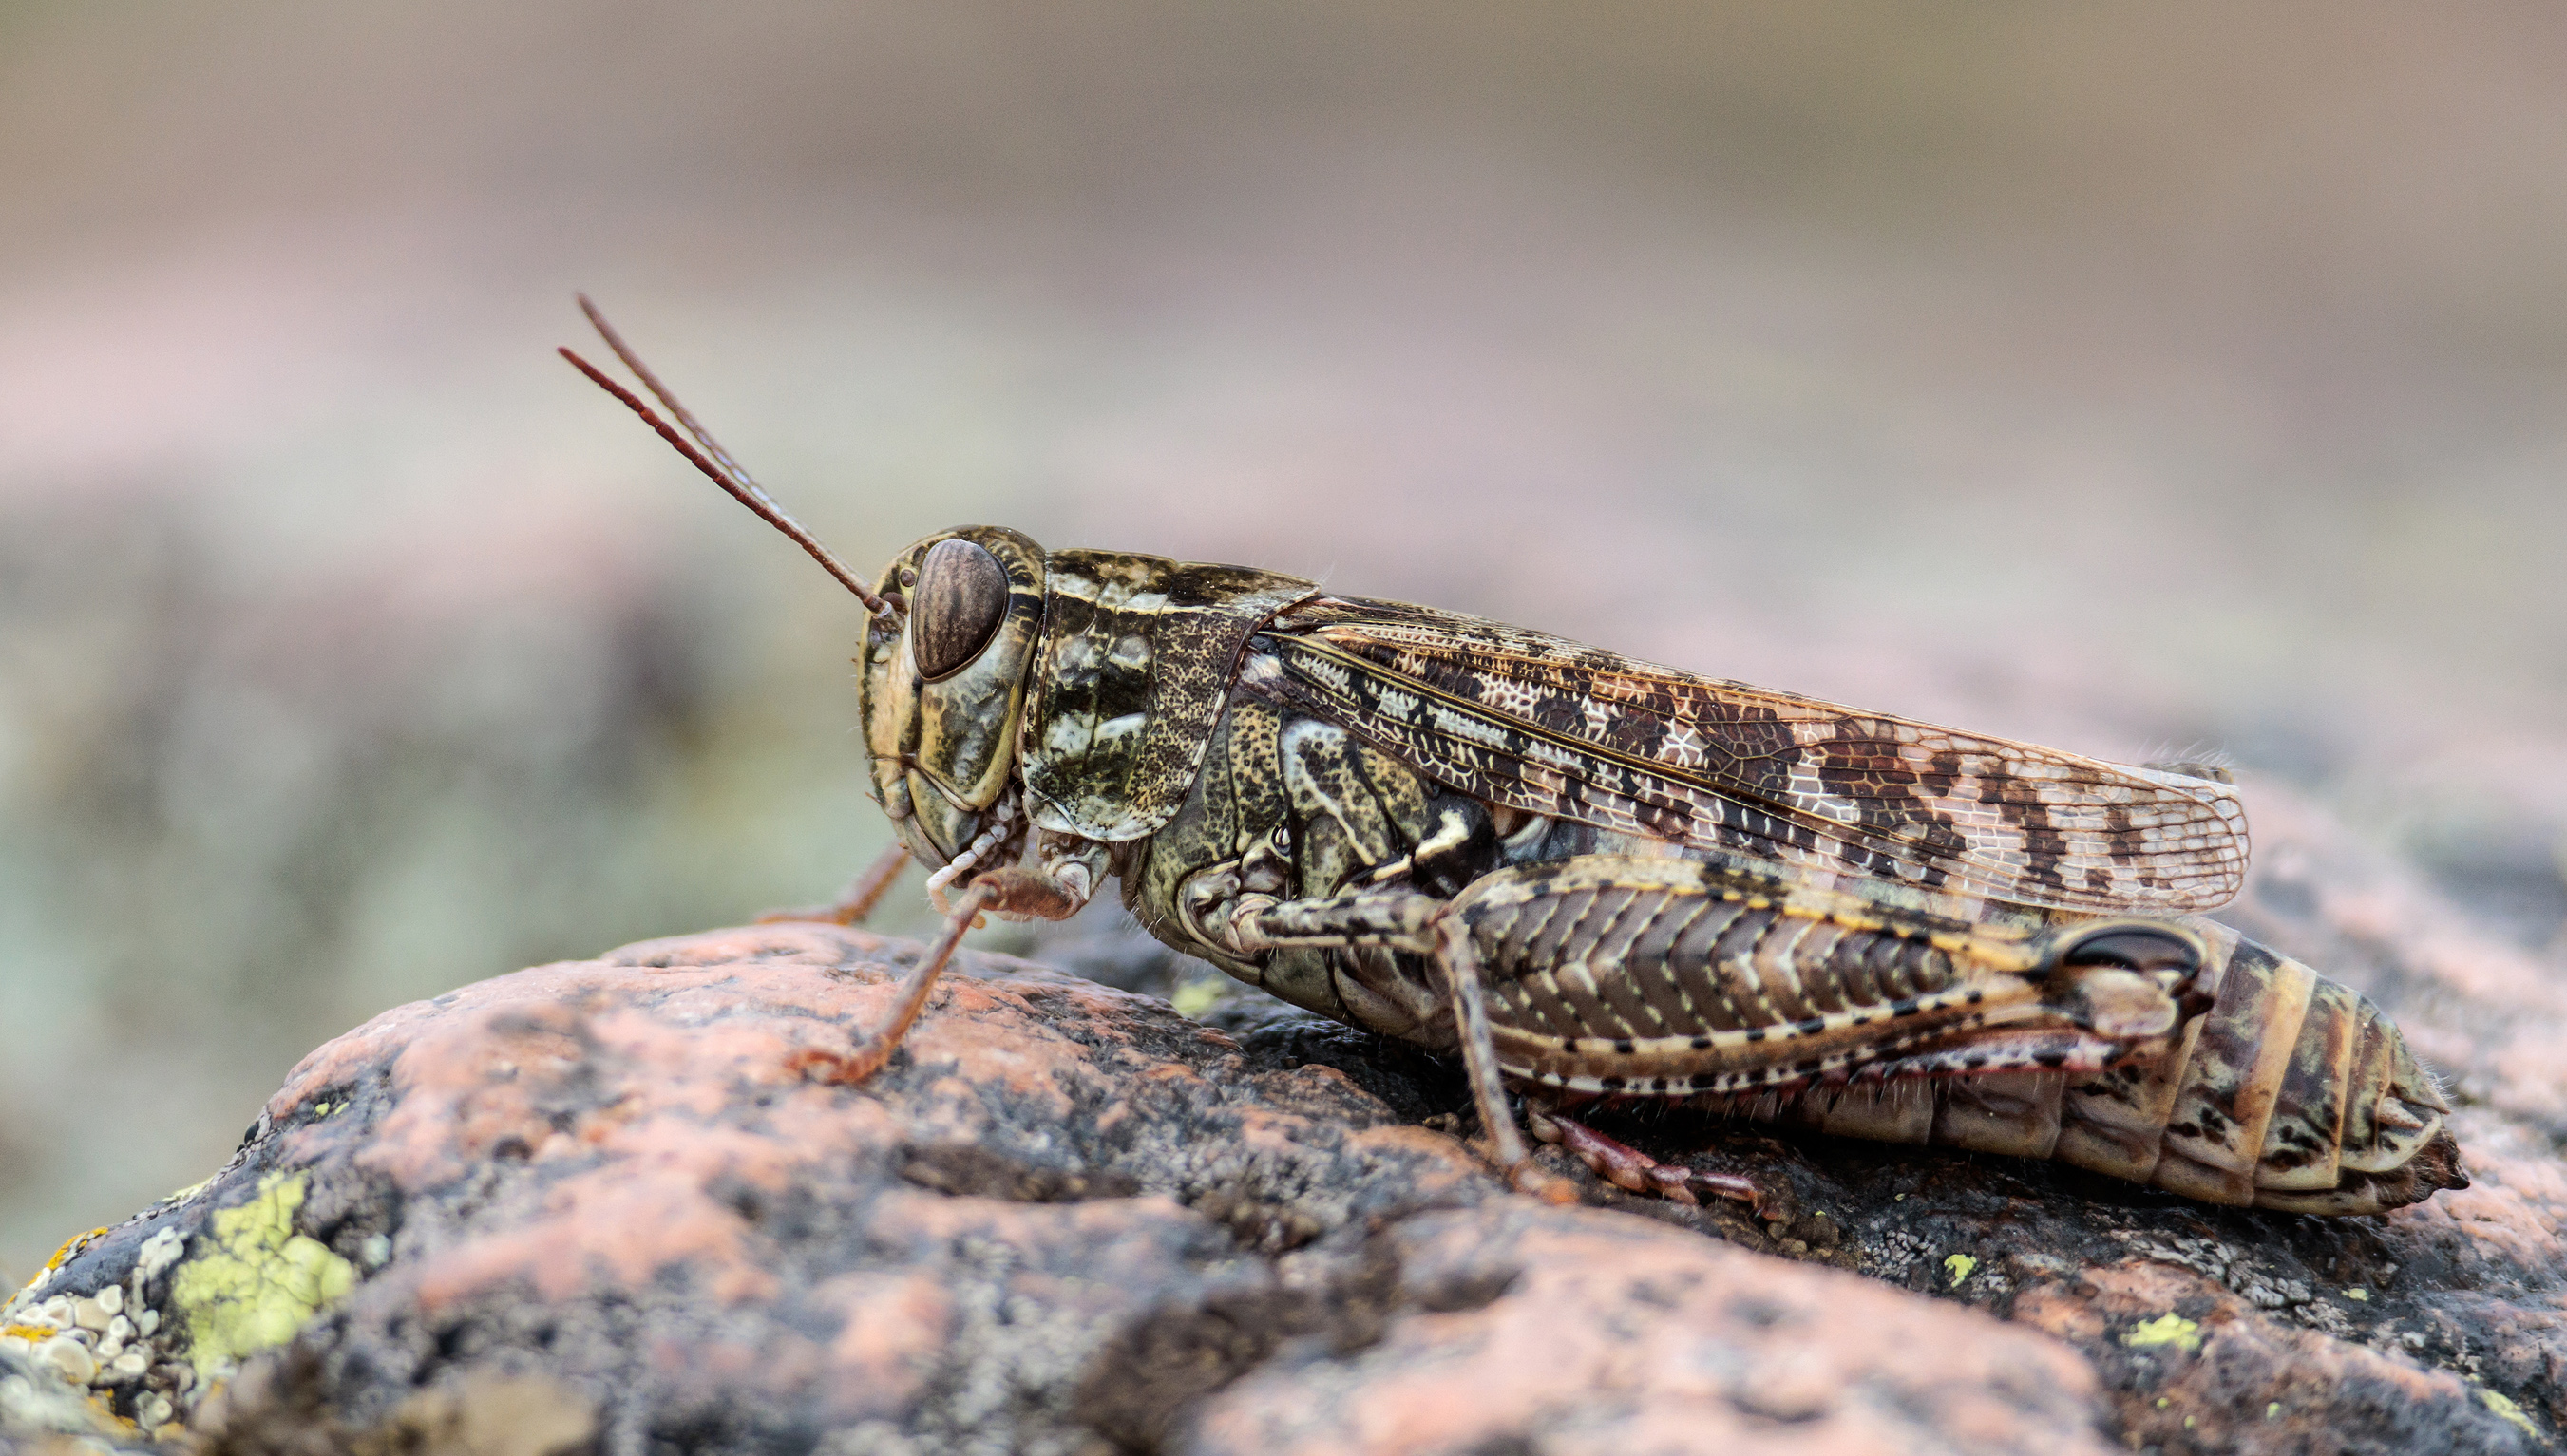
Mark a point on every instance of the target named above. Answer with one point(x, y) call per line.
point(829, 1069)
point(1526, 1178)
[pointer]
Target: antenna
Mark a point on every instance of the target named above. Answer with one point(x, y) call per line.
point(715, 461)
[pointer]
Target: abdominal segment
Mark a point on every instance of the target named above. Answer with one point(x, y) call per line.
point(2238, 1077)
point(1681, 978)
point(2292, 1093)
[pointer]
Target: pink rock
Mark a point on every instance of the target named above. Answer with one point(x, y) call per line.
point(1065, 1218)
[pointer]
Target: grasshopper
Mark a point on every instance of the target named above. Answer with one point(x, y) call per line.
point(1596, 878)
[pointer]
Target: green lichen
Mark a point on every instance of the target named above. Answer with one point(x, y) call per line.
point(2505, 1407)
point(2168, 1329)
point(258, 1281)
point(1194, 998)
point(1958, 1266)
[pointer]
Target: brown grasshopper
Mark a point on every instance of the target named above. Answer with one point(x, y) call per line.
point(1599, 878)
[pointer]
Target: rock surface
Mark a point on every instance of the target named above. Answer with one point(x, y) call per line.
point(585, 1208)
point(584, 1205)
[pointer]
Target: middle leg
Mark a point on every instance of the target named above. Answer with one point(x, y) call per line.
point(1460, 962)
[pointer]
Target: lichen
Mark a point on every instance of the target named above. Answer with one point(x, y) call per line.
point(2504, 1406)
point(2167, 1328)
point(1194, 998)
point(258, 1281)
point(1958, 1266)
point(61, 1256)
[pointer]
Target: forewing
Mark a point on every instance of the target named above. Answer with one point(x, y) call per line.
point(1554, 727)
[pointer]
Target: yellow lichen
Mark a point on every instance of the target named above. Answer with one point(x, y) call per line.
point(1194, 998)
point(2167, 1328)
point(61, 1256)
point(2505, 1407)
point(71, 1246)
point(258, 1281)
point(2358, 1294)
point(1958, 1266)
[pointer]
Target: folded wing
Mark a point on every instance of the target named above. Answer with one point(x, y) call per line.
point(1554, 727)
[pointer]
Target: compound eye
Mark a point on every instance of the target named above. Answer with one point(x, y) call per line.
point(2135, 948)
point(961, 595)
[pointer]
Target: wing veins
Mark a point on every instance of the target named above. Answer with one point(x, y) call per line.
point(2113, 839)
point(1647, 768)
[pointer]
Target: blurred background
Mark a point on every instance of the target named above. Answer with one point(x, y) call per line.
point(2178, 377)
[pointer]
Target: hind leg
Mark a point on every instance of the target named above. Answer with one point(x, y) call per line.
point(1626, 1166)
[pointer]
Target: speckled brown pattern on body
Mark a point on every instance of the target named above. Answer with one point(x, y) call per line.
point(1300, 786)
point(1309, 789)
point(1559, 728)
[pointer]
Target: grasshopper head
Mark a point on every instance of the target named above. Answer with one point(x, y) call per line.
point(941, 687)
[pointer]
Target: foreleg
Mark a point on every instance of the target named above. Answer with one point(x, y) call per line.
point(858, 900)
point(1020, 892)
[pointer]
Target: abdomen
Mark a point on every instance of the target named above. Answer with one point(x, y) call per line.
point(2170, 1053)
point(2293, 1092)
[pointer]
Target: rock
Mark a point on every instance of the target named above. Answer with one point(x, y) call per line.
point(1063, 1219)
point(69, 1359)
point(583, 1207)
point(40, 1415)
point(1574, 1332)
point(2436, 1328)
